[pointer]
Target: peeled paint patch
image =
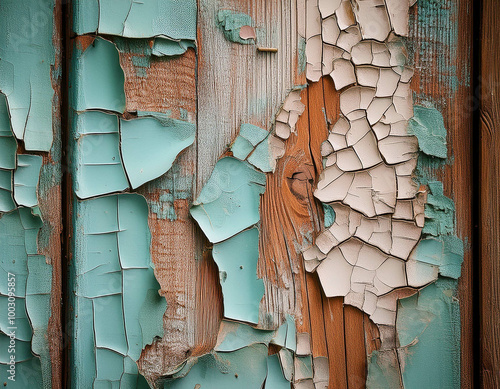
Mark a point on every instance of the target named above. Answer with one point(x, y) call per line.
point(237, 260)
point(445, 252)
point(160, 139)
point(133, 19)
point(439, 211)
point(234, 336)
point(99, 79)
point(428, 125)
point(8, 144)
point(117, 307)
point(275, 378)
point(166, 47)
point(98, 164)
point(26, 179)
point(245, 368)
point(428, 328)
point(231, 23)
point(229, 201)
point(26, 46)
point(21, 265)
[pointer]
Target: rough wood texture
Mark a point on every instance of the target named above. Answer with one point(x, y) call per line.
point(442, 54)
point(50, 205)
point(490, 195)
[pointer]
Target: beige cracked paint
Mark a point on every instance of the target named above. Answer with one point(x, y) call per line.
point(369, 158)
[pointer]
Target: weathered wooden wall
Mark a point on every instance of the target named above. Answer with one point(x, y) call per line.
point(488, 91)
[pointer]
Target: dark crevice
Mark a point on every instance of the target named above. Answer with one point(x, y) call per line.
point(477, 7)
point(66, 196)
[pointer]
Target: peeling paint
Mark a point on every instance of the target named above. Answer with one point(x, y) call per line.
point(219, 209)
point(27, 55)
point(117, 305)
point(171, 19)
point(231, 24)
point(30, 279)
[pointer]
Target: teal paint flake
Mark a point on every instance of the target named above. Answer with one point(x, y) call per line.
point(33, 281)
point(174, 19)
point(229, 201)
point(6, 193)
point(302, 58)
point(237, 259)
point(275, 378)
point(234, 336)
point(439, 211)
point(98, 78)
point(159, 138)
point(231, 22)
point(8, 144)
point(427, 125)
point(26, 179)
point(303, 367)
point(428, 327)
point(383, 370)
point(166, 47)
point(117, 305)
point(261, 157)
point(446, 252)
point(243, 368)
point(98, 166)
point(27, 55)
point(329, 215)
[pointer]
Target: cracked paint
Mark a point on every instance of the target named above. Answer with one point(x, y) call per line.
point(33, 280)
point(175, 20)
point(27, 55)
point(116, 303)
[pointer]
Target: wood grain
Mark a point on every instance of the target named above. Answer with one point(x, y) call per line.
point(442, 49)
point(490, 195)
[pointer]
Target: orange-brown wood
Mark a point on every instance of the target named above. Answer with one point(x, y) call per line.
point(443, 63)
point(490, 195)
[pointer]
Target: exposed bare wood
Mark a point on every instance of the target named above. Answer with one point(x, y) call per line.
point(490, 195)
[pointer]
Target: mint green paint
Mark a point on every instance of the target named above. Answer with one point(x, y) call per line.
point(275, 378)
point(98, 80)
point(8, 144)
point(159, 138)
point(439, 211)
point(383, 370)
point(446, 252)
point(428, 327)
point(249, 137)
point(26, 57)
point(329, 215)
point(229, 201)
point(239, 335)
point(427, 125)
point(117, 307)
point(174, 19)
point(261, 156)
point(33, 280)
point(230, 22)
point(26, 179)
point(97, 164)
point(166, 47)
point(303, 367)
point(243, 368)
point(237, 259)
point(6, 199)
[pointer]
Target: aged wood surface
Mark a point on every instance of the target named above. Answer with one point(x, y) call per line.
point(223, 85)
point(443, 60)
point(490, 195)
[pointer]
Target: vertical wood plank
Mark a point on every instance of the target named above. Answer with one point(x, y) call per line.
point(490, 195)
point(442, 49)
